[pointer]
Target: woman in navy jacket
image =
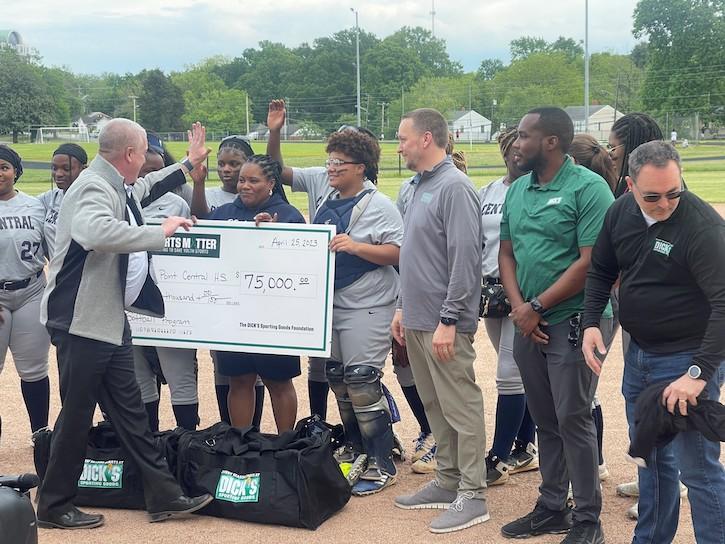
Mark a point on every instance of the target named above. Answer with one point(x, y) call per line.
point(261, 198)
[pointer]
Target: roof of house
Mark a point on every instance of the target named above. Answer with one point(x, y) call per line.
point(577, 112)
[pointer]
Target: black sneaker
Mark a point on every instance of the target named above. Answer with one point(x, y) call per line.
point(497, 472)
point(539, 522)
point(585, 532)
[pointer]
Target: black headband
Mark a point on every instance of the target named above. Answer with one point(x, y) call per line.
point(72, 150)
point(9, 155)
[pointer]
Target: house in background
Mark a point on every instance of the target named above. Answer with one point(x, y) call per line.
point(601, 119)
point(93, 122)
point(469, 125)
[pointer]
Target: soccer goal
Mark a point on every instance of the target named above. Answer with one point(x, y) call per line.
point(65, 134)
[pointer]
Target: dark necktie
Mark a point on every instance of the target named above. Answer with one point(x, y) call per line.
point(131, 203)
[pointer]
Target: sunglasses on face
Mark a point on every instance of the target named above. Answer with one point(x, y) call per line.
point(611, 149)
point(656, 197)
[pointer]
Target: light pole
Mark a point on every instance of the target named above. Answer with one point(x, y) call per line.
point(586, 66)
point(357, 62)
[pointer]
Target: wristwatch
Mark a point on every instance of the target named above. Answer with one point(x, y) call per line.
point(448, 321)
point(536, 305)
point(187, 164)
point(694, 372)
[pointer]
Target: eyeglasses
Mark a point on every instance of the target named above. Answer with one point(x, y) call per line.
point(336, 163)
point(656, 197)
point(611, 148)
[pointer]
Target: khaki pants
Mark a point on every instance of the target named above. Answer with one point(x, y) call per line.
point(454, 406)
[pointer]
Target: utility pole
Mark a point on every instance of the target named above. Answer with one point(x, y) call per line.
point(134, 97)
point(586, 66)
point(246, 100)
point(357, 62)
point(382, 116)
point(433, 17)
point(470, 121)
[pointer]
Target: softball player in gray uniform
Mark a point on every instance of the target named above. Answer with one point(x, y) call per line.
point(69, 160)
point(21, 289)
point(178, 365)
point(370, 232)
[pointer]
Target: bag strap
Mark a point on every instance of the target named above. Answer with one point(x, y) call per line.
point(359, 208)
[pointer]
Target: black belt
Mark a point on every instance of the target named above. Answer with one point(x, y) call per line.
point(488, 280)
point(20, 284)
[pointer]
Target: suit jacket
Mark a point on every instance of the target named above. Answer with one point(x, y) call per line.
point(87, 274)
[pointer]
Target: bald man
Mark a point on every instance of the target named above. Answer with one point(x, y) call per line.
point(101, 267)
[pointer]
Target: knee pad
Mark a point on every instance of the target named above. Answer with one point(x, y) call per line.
point(335, 372)
point(365, 389)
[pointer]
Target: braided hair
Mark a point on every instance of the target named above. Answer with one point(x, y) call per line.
point(237, 142)
point(589, 153)
point(632, 130)
point(272, 170)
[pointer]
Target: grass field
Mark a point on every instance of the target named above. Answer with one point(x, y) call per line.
point(704, 177)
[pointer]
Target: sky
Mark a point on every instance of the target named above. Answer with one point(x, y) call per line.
point(130, 35)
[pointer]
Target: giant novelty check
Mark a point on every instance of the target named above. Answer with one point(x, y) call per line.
point(231, 286)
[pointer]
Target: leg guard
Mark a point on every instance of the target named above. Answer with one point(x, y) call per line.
point(334, 371)
point(373, 415)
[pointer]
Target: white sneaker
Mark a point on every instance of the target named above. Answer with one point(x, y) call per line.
point(603, 472)
point(427, 464)
point(633, 511)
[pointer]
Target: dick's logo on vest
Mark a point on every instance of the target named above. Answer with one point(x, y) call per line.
point(237, 487)
point(663, 246)
point(105, 474)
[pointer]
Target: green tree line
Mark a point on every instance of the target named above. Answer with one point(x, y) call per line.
point(678, 67)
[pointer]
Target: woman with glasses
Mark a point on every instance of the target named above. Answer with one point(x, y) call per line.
point(629, 132)
point(260, 198)
point(367, 246)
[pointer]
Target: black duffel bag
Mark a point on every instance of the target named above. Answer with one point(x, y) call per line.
point(110, 477)
point(291, 479)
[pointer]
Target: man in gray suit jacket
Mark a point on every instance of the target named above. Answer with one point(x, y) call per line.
point(101, 266)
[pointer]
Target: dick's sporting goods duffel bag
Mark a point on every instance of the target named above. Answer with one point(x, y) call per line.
point(291, 479)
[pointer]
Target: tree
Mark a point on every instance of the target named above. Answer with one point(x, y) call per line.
point(160, 102)
point(209, 100)
point(24, 97)
point(685, 56)
point(431, 51)
point(526, 45)
point(489, 68)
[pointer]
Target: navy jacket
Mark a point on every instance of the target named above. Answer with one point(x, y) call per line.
point(237, 211)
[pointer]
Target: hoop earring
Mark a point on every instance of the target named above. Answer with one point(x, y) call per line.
point(270, 192)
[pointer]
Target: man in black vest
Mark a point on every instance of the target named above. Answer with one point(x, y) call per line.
point(101, 267)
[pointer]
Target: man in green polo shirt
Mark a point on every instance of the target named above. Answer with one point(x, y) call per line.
point(551, 219)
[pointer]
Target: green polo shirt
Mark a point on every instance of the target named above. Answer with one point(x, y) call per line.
point(548, 224)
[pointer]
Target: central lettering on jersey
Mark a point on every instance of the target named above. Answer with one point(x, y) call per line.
point(663, 246)
point(555, 200)
point(16, 222)
point(492, 209)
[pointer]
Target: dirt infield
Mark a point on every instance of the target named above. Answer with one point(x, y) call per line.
point(363, 520)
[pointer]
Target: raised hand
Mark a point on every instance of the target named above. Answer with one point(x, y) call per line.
point(197, 152)
point(276, 114)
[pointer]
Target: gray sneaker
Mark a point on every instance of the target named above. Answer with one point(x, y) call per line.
point(466, 511)
point(430, 496)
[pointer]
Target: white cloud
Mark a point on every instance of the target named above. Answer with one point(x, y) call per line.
point(90, 36)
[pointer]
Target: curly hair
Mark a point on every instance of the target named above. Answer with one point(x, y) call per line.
point(589, 153)
point(359, 147)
